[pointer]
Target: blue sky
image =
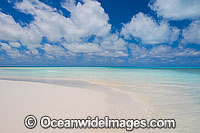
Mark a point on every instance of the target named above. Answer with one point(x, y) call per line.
point(100, 32)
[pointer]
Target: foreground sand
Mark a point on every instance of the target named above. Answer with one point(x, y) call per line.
point(19, 99)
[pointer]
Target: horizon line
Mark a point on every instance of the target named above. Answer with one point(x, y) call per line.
point(111, 66)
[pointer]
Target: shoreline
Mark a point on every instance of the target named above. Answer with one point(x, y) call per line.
point(21, 98)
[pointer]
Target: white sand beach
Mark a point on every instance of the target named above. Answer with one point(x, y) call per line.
point(20, 98)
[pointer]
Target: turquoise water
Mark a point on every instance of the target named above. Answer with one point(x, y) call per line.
point(172, 92)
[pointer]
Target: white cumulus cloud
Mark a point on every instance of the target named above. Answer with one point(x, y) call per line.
point(162, 51)
point(15, 44)
point(191, 34)
point(149, 31)
point(53, 51)
point(90, 18)
point(86, 19)
point(177, 9)
point(11, 52)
